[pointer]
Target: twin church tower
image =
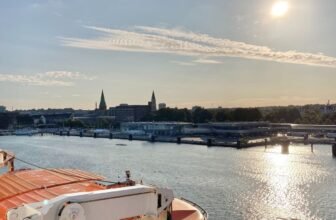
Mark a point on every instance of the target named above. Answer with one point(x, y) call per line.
point(151, 104)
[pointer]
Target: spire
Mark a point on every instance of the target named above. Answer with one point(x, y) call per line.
point(153, 96)
point(102, 104)
point(153, 102)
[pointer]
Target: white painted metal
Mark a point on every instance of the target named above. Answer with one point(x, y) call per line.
point(2, 156)
point(73, 211)
point(111, 204)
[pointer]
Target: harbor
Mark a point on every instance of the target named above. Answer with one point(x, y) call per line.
point(236, 135)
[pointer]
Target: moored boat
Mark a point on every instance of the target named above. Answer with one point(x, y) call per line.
point(26, 132)
point(70, 194)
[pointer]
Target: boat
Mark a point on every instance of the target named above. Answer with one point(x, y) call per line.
point(5, 132)
point(26, 132)
point(71, 194)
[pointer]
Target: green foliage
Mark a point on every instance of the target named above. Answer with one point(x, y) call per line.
point(7, 119)
point(201, 115)
point(24, 120)
point(329, 119)
point(172, 114)
point(74, 124)
point(277, 115)
point(311, 116)
point(222, 115)
point(284, 115)
point(246, 114)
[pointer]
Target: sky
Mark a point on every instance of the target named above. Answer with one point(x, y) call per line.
point(228, 53)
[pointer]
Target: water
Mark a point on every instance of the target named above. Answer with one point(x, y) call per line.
point(228, 183)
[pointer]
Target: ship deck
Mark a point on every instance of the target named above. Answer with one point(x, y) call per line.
point(30, 186)
point(186, 210)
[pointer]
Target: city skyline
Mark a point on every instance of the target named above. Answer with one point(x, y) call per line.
point(58, 54)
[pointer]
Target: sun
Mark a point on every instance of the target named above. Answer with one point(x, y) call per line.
point(279, 8)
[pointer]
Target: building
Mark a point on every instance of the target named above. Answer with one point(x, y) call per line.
point(162, 106)
point(133, 113)
point(221, 130)
point(128, 113)
point(2, 108)
point(154, 128)
point(102, 104)
point(95, 119)
point(51, 119)
point(231, 129)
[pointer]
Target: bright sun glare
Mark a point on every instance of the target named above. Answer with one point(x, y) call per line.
point(279, 8)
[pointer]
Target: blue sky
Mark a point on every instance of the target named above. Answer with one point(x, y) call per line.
point(211, 53)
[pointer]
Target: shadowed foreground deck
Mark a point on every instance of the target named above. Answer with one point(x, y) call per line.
point(21, 187)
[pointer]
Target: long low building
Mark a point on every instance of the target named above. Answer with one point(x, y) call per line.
point(231, 129)
point(154, 128)
point(235, 129)
point(310, 128)
point(224, 130)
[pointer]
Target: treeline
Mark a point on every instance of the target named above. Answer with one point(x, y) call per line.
point(197, 115)
point(9, 119)
point(202, 115)
point(276, 115)
point(293, 115)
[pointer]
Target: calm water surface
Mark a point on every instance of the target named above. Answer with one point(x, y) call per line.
point(228, 183)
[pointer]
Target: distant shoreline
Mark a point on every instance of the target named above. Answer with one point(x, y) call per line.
point(203, 140)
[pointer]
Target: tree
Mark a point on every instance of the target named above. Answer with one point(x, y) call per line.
point(329, 119)
point(284, 115)
point(7, 120)
point(201, 115)
point(74, 124)
point(311, 116)
point(246, 114)
point(172, 114)
point(222, 115)
point(24, 120)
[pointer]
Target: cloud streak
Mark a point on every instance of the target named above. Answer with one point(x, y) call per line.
point(50, 78)
point(206, 61)
point(182, 42)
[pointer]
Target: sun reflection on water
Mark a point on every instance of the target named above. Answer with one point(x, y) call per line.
point(278, 182)
point(283, 194)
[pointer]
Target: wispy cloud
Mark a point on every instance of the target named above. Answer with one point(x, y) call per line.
point(182, 42)
point(66, 75)
point(197, 61)
point(50, 78)
point(207, 61)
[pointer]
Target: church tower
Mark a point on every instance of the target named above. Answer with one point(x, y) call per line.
point(153, 103)
point(102, 104)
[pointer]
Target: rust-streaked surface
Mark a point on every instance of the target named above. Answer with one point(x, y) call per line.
point(29, 186)
point(182, 210)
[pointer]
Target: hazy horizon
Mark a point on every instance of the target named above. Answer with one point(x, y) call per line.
point(214, 107)
point(58, 54)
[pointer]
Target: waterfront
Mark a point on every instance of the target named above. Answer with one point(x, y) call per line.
point(228, 183)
